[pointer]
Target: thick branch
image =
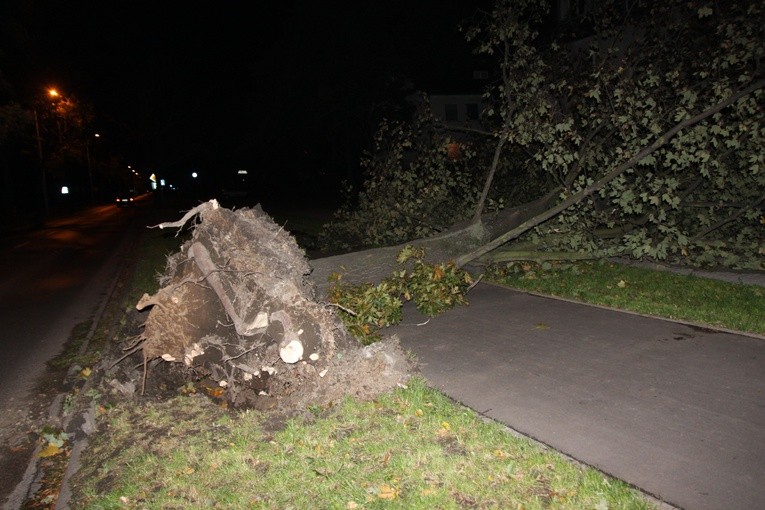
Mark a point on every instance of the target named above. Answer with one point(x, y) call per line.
point(466, 129)
point(727, 220)
point(490, 177)
point(502, 139)
point(613, 174)
point(523, 255)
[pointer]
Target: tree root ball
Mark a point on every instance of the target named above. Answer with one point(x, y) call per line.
point(237, 302)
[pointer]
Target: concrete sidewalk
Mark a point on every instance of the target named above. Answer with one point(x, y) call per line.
point(674, 409)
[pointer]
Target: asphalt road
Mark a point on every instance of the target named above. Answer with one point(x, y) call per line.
point(53, 278)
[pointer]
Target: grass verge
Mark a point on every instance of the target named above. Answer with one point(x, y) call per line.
point(662, 294)
point(83, 350)
point(412, 448)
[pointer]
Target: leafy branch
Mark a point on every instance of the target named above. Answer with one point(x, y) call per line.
point(610, 176)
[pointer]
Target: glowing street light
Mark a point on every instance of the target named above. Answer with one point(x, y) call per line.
point(52, 94)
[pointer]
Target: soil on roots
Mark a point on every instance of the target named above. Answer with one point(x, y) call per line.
point(363, 374)
point(237, 310)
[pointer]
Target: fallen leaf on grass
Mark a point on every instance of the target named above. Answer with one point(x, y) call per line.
point(49, 451)
point(188, 388)
point(387, 492)
point(621, 284)
point(602, 504)
point(444, 430)
point(541, 325)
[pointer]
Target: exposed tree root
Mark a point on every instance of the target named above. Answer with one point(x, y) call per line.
point(237, 304)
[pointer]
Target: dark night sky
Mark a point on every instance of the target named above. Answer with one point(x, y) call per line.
point(220, 85)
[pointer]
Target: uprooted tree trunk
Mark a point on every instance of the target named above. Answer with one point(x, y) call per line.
point(237, 305)
point(374, 264)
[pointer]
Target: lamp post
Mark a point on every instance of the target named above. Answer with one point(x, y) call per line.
point(43, 178)
point(90, 168)
point(52, 93)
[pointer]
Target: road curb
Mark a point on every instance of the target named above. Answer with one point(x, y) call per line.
point(26, 487)
point(88, 418)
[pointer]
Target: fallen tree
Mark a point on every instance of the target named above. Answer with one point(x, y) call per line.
point(646, 122)
point(237, 306)
point(595, 186)
point(468, 242)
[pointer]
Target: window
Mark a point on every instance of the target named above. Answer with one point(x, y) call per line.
point(451, 112)
point(471, 111)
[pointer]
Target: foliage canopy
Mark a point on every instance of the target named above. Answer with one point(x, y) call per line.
point(571, 105)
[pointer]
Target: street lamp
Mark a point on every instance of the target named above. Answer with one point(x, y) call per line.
point(90, 169)
point(52, 93)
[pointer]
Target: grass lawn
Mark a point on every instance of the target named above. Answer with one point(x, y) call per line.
point(659, 293)
point(411, 449)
